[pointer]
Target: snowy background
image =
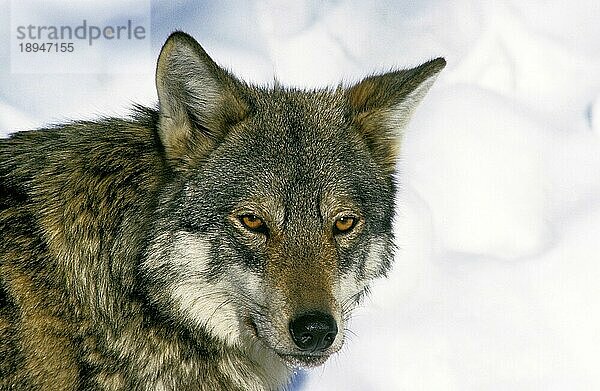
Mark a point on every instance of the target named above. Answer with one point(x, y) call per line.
point(497, 284)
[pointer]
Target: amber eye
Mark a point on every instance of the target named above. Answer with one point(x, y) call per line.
point(253, 223)
point(344, 224)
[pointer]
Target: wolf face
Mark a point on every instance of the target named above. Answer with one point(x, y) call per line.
point(280, 209)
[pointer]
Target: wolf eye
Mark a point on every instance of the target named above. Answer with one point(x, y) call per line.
point(344, 224)
point(253, 223)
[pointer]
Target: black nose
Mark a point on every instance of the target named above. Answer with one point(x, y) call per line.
point(314, 331)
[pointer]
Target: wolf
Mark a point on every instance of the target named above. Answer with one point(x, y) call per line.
point(215, 242)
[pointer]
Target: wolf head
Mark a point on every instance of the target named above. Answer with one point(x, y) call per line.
point(280, 207)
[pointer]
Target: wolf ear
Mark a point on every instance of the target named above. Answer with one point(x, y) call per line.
point(382, 106)
point(198, 99)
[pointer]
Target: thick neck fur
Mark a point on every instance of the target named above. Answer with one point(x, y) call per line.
point(160, 358)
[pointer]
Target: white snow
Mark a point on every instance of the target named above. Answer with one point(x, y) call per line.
point(497, 283)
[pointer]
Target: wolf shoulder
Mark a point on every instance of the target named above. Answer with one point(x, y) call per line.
point(108, 154)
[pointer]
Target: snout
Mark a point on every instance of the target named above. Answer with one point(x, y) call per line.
point(313, 331)
point(307, 340)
